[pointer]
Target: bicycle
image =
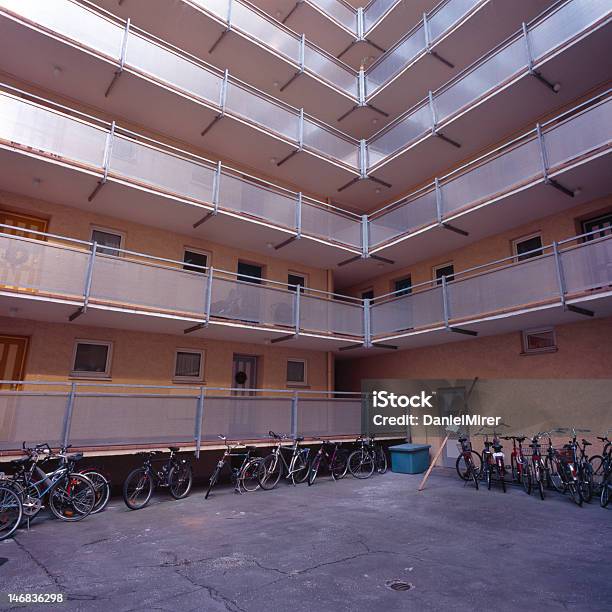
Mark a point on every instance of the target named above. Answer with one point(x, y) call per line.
point(243, 477)
point(519, 465)
point(536, 469)
point(598, 461)
point(465, 464)
point(362, 462)
point(562, 468)
point(70, 495)
point(493, 461)
point(175, 474)
point(585, 471)
point(606, 485)
point(11, 509)
point(272, 467)
point(333, 456)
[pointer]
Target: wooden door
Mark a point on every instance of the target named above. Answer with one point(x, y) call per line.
point(13, 351)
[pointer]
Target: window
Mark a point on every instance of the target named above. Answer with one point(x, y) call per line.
point(195, 260)
point(188, 365)
point(251, 273)
point(294, 279)
point(92, 358)
point(402, 286)
point(296, 371)
point(108, 240)
point(447, 269)
point(24, 221)
point(539, 341)
point(527, 247)
point(368, 294)
point(601, 226)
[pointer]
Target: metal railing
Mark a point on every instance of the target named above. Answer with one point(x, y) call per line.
point(561, 273)
point(90, 414)
point(547, 149)
point(88, 275)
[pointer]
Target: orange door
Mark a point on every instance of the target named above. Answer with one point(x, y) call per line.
point(13, 351)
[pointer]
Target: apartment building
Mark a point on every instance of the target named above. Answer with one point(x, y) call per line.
point(270, 200)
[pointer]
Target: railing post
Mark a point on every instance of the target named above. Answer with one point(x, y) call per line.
point(301, 130)
point(229, 15)
point(108, 150)
point(363, 158)
point(198, 422)
point(527, 48)
point(89, 276)
point(216, 188)
point(208, 295)
point(360, 24)
point(223, 92)
point(298, 216)
point(302, 53)
point(68, 415)
point(361, 87)
point(296, 308)
point(543, 154)
point(432, 110)
point(438, 200)
point(367, 323)
point(560, 274)
point(365, 236)
point(445, 302)
point(294, 413)
point(427, 33)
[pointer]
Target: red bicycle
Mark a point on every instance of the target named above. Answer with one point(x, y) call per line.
point(519, 464)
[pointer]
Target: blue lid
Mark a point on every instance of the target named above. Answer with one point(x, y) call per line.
point(409, 448)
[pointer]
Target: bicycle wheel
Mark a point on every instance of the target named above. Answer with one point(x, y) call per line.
point(101, 486)
point(489, 477)
point(11, 512)
point(575, 494)
point(474, 475)
point(381, 460)
point(538, 475)
point(72, 497)
point(269, 472)
point(526, 478)
point(213, 479)
point(361, 464)
point(462, 467)
point(300, 465)
point(314, 469)
point(137, 489)
point(554, 477)
point(180, 479)
point(339, 465)
point(247, 479)
point(597, 466)
point(604, 498)
point(500, 476)
point(31, 499)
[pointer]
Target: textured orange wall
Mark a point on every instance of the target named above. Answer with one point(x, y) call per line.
point(585, 351)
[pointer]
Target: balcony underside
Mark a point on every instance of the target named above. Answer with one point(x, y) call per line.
point(57, 310)
point(535, 201)
point(147, 102)
point(481, 31)
point(70, 186)
point(501, 115)
point(494, 325)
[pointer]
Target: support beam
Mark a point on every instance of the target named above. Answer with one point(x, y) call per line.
point(119, 71)
point(562, 188)
point(87, 287)
point(383, 259)
point(205, 218)
point(428, 48)
point(222, 102)
point(193, 328)
point(108, 151)
point(452, 228)
point(287, 158)
point(284, 243)
point(350, 260)
point(302, 65)
point(385, 346)
point(444, 61)
point(579, 310)
point(295, 6)
point(348, 112)
point(447, 139)
point(544, 162)
point(461, 330)
point(554, 87)
point(227, 29)
point(215, 197)
point(283, 338)
point(351, 182)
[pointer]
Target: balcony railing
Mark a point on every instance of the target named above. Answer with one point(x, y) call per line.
point(113, 152)
point(90, 415)
point(132, 48)
point(574, 135)
point(91, 276)
point(557, 274)
point(512, 60)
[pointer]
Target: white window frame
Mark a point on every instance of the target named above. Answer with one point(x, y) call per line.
point(200, 252)
point(301, 274)
point(292, 383)
point(109, 359)
point(200, 377)
point(538, 330)
point(520, 239)
point(108, 230)
point(438, 281)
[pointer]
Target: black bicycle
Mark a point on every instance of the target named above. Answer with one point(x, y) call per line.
point(243, 476)
point(367, 457)
point(331, 456)
point(272, 467)
point(175, 474)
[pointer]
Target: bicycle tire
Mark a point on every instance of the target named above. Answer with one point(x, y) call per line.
point(212, 481)
point(537, 471)
point(247, 479)
point(554, 477)
point(489, 478)
point(500, 476)
point(31, 508)
point(11, 512)
point(474, 476)
point(69, 504)
point(356, 462)
point(604, 497)
point(339, 466)
point(101, 486)
point(381, 460)
point(300, 474)
point(526, 479)
point(314, 469)
point(597, 465)
point(574, 492)
point(269, 472)
point(180, 474)
point(141, 480)
point(463, 471)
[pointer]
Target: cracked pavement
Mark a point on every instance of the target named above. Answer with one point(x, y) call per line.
point(333, 546)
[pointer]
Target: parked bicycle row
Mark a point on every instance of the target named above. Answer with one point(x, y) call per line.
point(538, 465)
point(44, 477)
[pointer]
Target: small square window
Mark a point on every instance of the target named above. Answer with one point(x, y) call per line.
point(402, 286)
point(108, 241)
point(92, 359)
point(294, 279)
point(447, 270)
point(296, 371)
point(195, 261)
point(368, 294)
point(189, 365)
point(528, 247)
point(539, 341)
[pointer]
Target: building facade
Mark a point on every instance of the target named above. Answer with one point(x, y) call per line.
point(266, 198)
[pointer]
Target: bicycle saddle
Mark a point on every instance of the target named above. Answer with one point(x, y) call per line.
point(174, 449)
point(586, 442)
point(299, 438)
point(74, 456)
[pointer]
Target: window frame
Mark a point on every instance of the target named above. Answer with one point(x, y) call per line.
point(106, 374)
point(304, 286)
point(399, 279)
point(517, 256)
point(368, 290)
point(208, 255)
point(107, 230)
point(438, 280)
point(538, 330)
point(189, 379)
point(292, 383)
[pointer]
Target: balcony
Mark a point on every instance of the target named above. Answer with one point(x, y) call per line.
point(117, 68)
point(491, 97)
point(104, 416)
point(570, 281)
point(59, 279)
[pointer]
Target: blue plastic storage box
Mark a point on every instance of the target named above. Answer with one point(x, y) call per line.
point(409, 458)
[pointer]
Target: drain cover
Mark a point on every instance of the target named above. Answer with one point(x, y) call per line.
point(399, 585)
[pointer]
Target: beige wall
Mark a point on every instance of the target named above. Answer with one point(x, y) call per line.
point(556, 227)
point(144, 358)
